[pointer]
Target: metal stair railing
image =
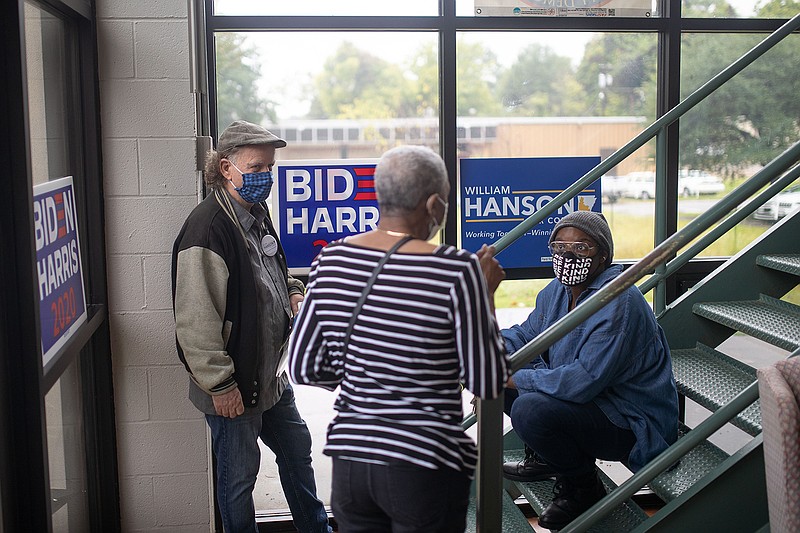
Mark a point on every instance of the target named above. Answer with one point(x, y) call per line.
point(489, 412)
point(657, 256)
point(720, 229)
point(667, 458)
point(740, 214)
point(656, 129)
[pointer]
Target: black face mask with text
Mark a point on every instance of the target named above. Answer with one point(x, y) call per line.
point(571, 270)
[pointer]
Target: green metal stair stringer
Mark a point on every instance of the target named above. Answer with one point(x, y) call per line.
point(733, 497)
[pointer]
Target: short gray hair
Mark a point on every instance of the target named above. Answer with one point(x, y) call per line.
point(407, 175)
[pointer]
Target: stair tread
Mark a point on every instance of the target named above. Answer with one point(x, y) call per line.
point(513, 519)
point(784, 262)
point(700, 460)
point(768, 319)
point(712, 379)
point(540, 493)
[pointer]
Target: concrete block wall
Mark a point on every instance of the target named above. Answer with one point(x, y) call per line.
point(148, 127)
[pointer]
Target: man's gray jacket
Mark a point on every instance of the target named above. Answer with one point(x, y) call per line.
point(214, 298)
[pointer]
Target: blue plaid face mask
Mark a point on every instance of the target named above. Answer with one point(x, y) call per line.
point(256, 186)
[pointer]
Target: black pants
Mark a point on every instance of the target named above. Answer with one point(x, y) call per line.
point(370, 498)
point(568, 436)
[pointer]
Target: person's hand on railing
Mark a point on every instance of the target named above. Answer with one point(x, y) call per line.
point(492, 270)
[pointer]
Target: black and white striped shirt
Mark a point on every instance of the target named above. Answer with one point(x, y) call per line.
point(425, 327)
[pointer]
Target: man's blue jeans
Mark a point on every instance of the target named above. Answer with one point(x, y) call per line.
point(235, 443)
point(568, 436)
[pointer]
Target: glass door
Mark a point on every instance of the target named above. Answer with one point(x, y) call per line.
point(58, 464)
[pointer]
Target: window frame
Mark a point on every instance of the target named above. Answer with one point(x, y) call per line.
point(668, 27)
point(25, 497)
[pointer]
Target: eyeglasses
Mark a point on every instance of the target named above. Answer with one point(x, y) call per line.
point(581, 249)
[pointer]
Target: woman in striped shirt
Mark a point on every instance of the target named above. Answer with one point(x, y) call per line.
point(401, 460)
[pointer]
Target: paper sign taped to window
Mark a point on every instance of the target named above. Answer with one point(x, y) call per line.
point(564, 8)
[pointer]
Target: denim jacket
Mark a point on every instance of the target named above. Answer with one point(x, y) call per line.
point(617, 358)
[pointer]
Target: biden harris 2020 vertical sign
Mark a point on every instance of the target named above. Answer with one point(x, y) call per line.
point(321, 201)
point(62, 305)
point(499, 193)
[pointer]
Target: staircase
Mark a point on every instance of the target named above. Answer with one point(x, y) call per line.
point(708, 489)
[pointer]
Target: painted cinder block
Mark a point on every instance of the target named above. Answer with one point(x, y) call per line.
point(172, 447)
point(181, 500)
point(137, 507)
point(131, 405)
point(167, 167)
point(126, 277)
point(158, 282)
point(120, 167)
point(161, 51)
point(146, 108)
point(115, 49)
point(168, 393)
point(145, 225)
point(142, 9)
point(143, 339)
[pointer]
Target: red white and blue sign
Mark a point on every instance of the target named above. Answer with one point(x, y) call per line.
point(321, 201)
point(499, 193)
point(62, 305)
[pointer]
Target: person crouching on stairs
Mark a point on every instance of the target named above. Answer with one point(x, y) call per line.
point(604, 391)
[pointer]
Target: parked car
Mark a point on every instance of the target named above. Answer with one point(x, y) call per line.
point(639, 185)
point(613, 187)
point(779, 205)
point(697, 182)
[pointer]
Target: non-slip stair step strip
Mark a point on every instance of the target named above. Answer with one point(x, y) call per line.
point(693, 466)
point(712, 379)
point(769, 319)
point(785, 263)
point(513, 519)
point(540, 493)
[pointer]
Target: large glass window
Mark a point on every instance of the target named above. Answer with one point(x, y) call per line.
point(56, 454)
point(338, 94)
point(519, 87)
point(732, 9)
point(537, 94)
point(326, 8)
point(50, 92)
point(66, 453)
point(730, 135)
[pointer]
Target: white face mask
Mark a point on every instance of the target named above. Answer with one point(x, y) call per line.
point(435, 227)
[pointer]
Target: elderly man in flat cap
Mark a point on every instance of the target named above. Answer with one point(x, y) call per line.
point(604, 391)
point(234, 301)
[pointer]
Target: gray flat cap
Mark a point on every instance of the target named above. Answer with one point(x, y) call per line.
point(241, 133)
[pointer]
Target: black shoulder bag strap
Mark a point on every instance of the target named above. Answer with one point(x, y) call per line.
point(370, 281)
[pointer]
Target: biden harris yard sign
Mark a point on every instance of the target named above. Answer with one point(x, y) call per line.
point(321, 201)
point(62, 305)
point(499, 193)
